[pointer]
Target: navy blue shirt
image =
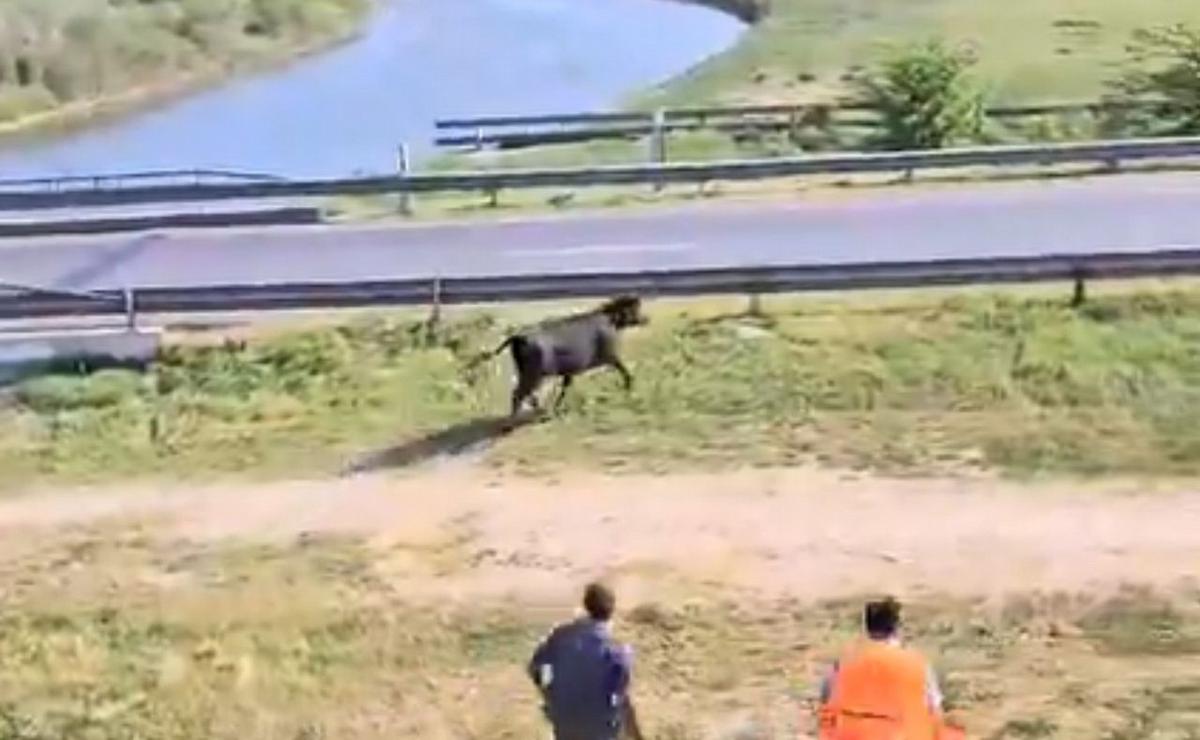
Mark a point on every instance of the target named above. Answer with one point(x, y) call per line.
point(584, 675)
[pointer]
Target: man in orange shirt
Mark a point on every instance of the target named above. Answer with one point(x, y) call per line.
point(880, 690)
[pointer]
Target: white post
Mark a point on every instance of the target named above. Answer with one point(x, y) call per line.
point(403, 166)
point(130, 310)
point(658, 142)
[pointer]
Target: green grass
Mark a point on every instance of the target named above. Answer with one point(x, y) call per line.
point(56, 54)
point(1028, 49)
point(1022, 384)
point(112, 634)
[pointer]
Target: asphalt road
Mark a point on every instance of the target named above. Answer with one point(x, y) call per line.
point(1125, 213)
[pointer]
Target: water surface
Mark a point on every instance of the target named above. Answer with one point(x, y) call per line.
point(345, 112)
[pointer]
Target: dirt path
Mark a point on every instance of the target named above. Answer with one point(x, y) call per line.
point(772, 533)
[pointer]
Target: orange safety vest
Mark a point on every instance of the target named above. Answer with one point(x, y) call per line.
point(879, 694)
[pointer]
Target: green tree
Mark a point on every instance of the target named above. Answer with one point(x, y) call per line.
point(926, 97)
point(1164, 75)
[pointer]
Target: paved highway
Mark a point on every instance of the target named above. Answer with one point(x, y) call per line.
point(1132, 212)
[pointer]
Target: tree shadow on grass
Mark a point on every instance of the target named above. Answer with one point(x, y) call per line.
point(460, 440)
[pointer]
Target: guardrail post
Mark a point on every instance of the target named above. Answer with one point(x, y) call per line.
point(755, 308)
point(403, 165)
point(658, 141)
point(130, 309)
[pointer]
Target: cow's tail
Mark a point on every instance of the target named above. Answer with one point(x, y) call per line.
point(484, 357)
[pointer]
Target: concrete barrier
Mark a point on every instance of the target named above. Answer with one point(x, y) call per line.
point(22, 353)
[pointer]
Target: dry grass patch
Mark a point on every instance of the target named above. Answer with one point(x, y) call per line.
point(109, 636)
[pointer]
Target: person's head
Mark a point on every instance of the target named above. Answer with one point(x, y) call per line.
point(599, 602)
point(882, 618)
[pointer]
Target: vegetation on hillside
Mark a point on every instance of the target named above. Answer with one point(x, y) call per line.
point(1015, 384)
point(925, 98)
point(56, 52)
point(1028, 50)
point(927, 93)
point(1165, 71)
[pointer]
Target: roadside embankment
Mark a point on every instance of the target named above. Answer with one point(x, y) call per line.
point(1014, 382)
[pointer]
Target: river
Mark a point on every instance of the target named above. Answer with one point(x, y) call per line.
point(345, 111)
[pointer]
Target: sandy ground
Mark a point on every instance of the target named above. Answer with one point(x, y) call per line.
point(770, 533)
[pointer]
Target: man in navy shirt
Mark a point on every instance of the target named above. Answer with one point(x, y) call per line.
point(584, 675)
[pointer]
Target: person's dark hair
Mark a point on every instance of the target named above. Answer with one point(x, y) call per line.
point(882, 617)
point(599, 602)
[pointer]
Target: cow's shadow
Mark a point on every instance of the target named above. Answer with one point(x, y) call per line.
point(455, 441)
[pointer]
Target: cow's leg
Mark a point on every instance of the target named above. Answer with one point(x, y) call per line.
point(562, 391)
point(527, 386)
point(616, 364)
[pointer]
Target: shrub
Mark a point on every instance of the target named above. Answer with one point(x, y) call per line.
point(925, 97)
point(1164, 71)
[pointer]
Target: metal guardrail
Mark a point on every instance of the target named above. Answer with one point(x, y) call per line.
point(514, 288)
point(116, 179)
point(513, 132)
point(525, 139)
point(717, 113)
point(1108, 152)
point(80, 302)
point(670, 114)
point(265, 216)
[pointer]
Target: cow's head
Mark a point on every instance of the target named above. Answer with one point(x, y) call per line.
point(625, 311)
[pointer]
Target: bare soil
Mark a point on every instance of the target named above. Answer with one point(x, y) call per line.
point(458, 534)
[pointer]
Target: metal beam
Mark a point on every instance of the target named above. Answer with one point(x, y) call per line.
point(32, 303)
point(627, 174)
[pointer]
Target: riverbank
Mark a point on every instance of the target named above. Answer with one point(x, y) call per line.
point(47, 91)
point(746, 11)
point(402, 69)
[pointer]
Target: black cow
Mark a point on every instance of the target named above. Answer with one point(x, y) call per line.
point(570, 345)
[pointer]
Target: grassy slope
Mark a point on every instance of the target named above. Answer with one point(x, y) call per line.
point(1028, 49)
point(1018, 384)
point(310, 641)
point(64, 55)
